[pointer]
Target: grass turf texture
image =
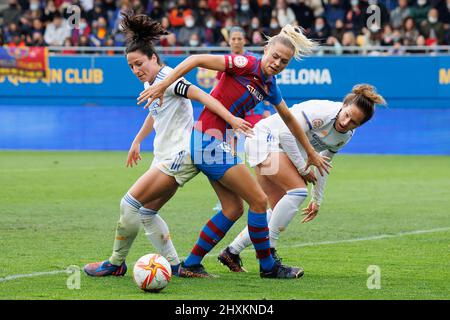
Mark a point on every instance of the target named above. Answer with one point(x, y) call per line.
point(60, 208)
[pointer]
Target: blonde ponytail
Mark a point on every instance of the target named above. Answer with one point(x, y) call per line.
point(293, 37)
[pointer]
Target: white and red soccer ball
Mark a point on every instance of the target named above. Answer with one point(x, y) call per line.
point(152, 272)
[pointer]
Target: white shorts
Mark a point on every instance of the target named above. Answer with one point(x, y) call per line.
point(258, 148)
point(179, 166)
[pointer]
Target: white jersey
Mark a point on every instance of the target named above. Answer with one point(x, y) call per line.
point(317, 117)
point(173, 120)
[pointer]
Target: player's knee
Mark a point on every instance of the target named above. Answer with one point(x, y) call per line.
point(259, 202)
point(233, 210)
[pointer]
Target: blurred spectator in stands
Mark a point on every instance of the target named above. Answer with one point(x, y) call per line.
point(334, 11)
point(157, 12)
point(419, 12)
point(354, 18)
point(223, 11)
point(321, 30)
point(371, 37)
point(316, 6)
point(165, 23)
point(338, 30)
point(443, 7)
point(138, 7)
point(265, 13)
point(303, 14)
point(399, 14)
point(255, 25)
point(56, 31)
point(202, 13)
point(99, 32)
point(274, 27)
point(110, 7)
point(284, 14)
point(212, 36)
point(244, 14)
point(87, 5)
point(170, 41)
point(69, 45)
point(177, 14)
point(37, 39)
point(348, 40)
point(25, 23)
point(109, 42)
point(12, 13)
point(432, 29)
point(194, 42)
point(409, 32)
point(397, 49)
point(335, 44)
point(387, 38)
point(37, 26)
point(49, 11)
point(187, 30)
point(96, 12)
point(35, 5)
point(10, 31)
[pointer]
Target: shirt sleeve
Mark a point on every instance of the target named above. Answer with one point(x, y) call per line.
point(238, 64)
point(274, 97)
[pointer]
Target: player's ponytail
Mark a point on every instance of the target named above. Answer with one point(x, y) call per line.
point(294, 38)
point(140, 32)
point(365, 97)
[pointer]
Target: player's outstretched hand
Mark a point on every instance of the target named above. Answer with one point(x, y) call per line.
point(134, 154)
point(310, 211)
point(308, 175)
point(322, 163)
point(152, 93)
point(239, 125)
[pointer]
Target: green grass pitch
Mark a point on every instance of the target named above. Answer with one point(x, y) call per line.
point(59, 209)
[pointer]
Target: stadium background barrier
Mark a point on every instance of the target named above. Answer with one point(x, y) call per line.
point(89, 102)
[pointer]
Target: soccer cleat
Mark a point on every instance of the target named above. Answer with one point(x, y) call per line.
point(105, 268)
point(195, 271)
point(275, 255)
point(232, 261)
point(280, 271)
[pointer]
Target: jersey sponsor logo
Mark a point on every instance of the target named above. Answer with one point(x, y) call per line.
point(317, 123)
point(240, 61)
point(255, 93)
point(153, 108)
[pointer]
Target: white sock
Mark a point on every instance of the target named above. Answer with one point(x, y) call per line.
point(126, 230)
point(284, 211)
point(243, 240)
point(157, 232)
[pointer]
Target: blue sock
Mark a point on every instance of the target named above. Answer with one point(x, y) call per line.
point(214, 230)
point(175, 269)
point(258, 230)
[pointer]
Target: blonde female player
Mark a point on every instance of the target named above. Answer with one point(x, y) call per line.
point(329, 126)
point(247, 80)
point(172, 120)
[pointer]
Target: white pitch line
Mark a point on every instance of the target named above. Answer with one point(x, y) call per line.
point(378, 237)
point(308, 244)
point(34, 274)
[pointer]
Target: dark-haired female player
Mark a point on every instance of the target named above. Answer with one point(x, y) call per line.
point(172, 167)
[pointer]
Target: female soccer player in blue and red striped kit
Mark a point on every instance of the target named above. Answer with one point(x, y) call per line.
point(247, 81)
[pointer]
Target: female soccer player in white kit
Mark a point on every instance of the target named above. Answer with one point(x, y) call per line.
point(279, 160)
point(172, 166)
